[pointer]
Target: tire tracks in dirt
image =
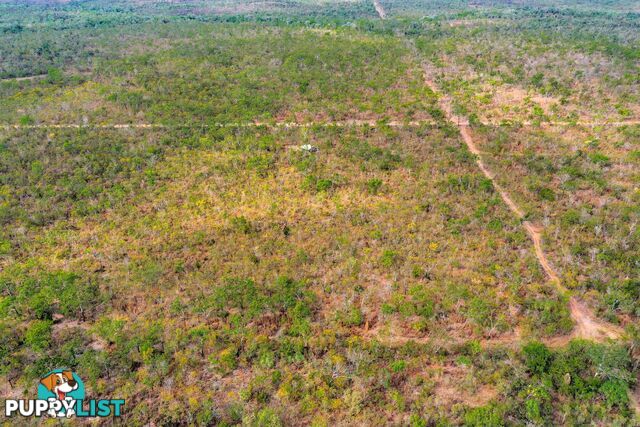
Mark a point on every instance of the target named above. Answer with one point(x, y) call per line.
point(381, 12)
point(587, 326)
point(253, 124)
point(286, 125)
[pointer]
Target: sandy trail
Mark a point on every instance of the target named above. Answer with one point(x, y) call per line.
point(21, 79)
point(463, 126)
point(381, 12)
point(254, 124)
point(586, 324)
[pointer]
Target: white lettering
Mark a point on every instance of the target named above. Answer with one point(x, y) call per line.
point(10, 407)
point(26, 408)
point(41, 407)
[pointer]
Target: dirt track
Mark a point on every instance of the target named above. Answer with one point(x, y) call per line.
point(343, 123)
point(464, 128)
point(586, 324)
point(21, 79)
point(381, 12)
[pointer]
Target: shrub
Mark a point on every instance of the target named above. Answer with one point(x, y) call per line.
point(262, 164)
point(490, 415)
point(583, 367)
point(38, 335)
point(537, 403)
point(537, 357)
point(422, 301)
point(241, 224)
point(9, 344)
point(54, 76)
point(354, 317)
point(537, 79)
point(481, 311)
point(495, 225)
point(546, 194)
point(315, 184)
point(63, 292)
point(27, 120)
point(571, 217)
point(388, 258)
point(549, 316)
point(486, 185)
point(263, 418)
point(373, 185)
point(600, 159)
point(383, 158)
point(616, 392)
point(398, 366)
point(226, 360)
point(324, 184)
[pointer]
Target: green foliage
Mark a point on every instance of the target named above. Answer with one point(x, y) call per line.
point(241, 300)
point(481, 311)
point(616, 392)
point(5, 247)
point(226, 360)
point(537, 357)
point(71, 172)
point(485, 416)
point(388, 258)
point(373, 185)
point(173, 286)
point(398, 366)
point(38, 335)
point(571, 217)
point(353, 317)
point(27, 120)
point(549, 316)
point(43, 295)
point(261, 164)
point(318, 185)
point(242, 224)
point(423, 304)
point(263, 418)
point(461, 183)
point(55, 76)
point(382, 158)
point(600, 159)
point(132, 100)
point(9, 346)
point(584, 367)
point(537, 402)
point(546, 194)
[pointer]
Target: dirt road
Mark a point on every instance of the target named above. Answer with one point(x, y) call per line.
point(273, 125)
point(21, 79)
point(381, 12)
point(464, 128)
point(586, 324)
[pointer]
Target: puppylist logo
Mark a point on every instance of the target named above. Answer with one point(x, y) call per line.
point(61, 394)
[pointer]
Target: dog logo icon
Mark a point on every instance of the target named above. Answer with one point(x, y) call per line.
point(62, 385)
point(61, 394)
